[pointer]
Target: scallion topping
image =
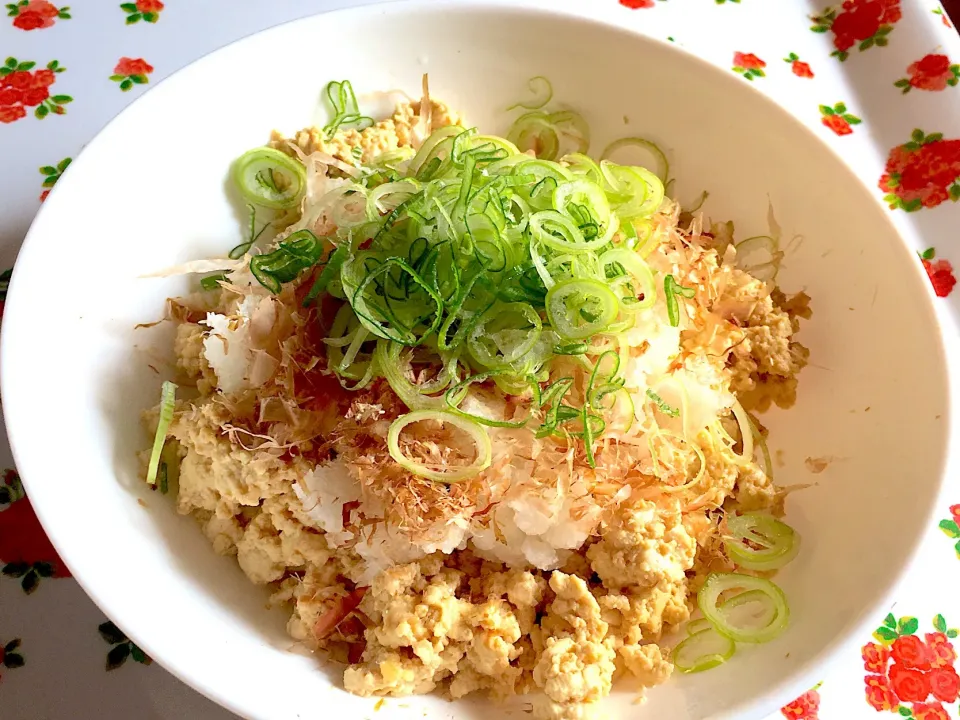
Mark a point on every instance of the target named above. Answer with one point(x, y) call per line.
point(168, 397)
point(346, 111)
point(269, 178)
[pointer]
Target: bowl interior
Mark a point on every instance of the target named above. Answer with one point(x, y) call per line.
point(150, 192)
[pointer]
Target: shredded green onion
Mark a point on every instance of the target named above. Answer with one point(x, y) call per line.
point(446, 474)
point(297, 253)
point(670, 290)
point(269, 178)
point(485, 258)
point(168, 397)
point(662, 405)
point(346, 111)
point(212, 282)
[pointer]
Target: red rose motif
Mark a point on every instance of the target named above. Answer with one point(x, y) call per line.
point(12, 114)
point(944, 684)
point(910, 652)
point(929, 711)
point(748, 61)
point(941, 650)
point(44, 78)
point(23, 539)
point(43, 195)
point(637, 4)
point(890, 11)
point(35, 96)
point(909, 685)
point(19, 79)
point(955, 511)
point(858, 21)
point(930, 73)
point(879, 694)
point(875, 657)
point(132, 66)
point(146, 6)
point(801, 69)
point(921, 172)
point(10, 96)
point(837, 123)
point(805, 707)
point(35, 15)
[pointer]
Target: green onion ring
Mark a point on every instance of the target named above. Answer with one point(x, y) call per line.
point(771, 598)
point(255, 174)
point(453, 475)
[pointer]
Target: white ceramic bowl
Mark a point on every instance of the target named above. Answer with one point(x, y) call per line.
point(149, 192)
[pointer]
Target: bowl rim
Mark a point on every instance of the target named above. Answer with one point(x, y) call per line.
point(948, 345)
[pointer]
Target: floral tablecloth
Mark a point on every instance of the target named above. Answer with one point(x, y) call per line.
point(868, 75)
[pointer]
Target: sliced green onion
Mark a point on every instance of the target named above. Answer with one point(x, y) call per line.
point(346, 111)
point(448, 474)
point(269, 178)
point(542, 91)
point(670, 290)
point(511, 328)
point(663, 166)
point(638, 279)
point(756, 617)
point(580, 308)
point(330, 271)
point(694, 626)
point(760, 542)
point(662, 405)
point(702, 650)
point(168, 397)
point(388, 357)
point(300, 251)
point(212, 282)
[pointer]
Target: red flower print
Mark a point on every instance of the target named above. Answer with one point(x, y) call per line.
point(933, 72)
point(944, 684)
point(35, 14)
point(748, 61)
point(875, 657)
point(910, 652)
point(879, 694)
point(943, 17)
point(941, 651)
point(148, 10)
point(131, 66)
point(863, 23)
point(19, 79)
point(955, 511)
point(838, 119)
point(22, 87)
point(35, 96)
point(922, 173)
point(637, 4)
point(24, 546)
point(805, 707)
point(12, 113)
point(943, 280)
point(800, 69)
point(929, 711)
point(10, 96)
point(909, 685)
point(130, 72)
point(748, 65)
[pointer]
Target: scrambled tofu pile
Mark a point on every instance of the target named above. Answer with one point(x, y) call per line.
point(542, 575)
